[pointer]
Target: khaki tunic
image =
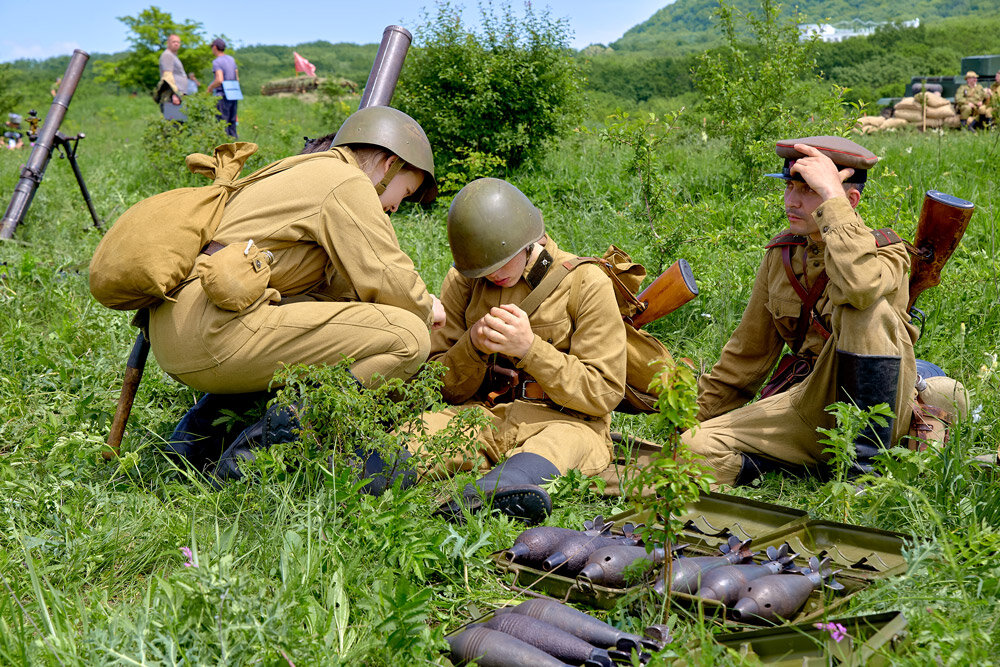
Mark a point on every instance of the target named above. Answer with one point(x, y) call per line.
point(340, 287)
point(864, 305)
point(577, 356)
point(968, 98)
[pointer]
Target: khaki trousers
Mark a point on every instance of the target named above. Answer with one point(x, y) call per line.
point(568, 442)
point(783, 427)
point(382, 340)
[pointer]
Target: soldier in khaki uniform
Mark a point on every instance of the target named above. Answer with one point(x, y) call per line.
point(857, 335)
point(340, 285)
point(972, 101)
point(561, 369)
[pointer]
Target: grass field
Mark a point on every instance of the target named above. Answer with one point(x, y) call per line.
point(288, 572)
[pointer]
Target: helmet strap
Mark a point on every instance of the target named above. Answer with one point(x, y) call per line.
point(389, 175)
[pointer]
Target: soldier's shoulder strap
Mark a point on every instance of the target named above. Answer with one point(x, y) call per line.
point(885, 236)
point(786, 238)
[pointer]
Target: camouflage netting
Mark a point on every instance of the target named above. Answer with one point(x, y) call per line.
point(299, 85)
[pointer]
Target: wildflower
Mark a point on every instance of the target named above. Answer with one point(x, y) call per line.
point(836, 630)
point(190, 557)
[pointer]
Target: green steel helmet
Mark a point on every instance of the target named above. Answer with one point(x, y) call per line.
point(399, 134)
point(489, 222)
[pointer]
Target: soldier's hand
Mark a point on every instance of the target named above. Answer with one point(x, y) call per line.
point(440, 318)
point(820, 173)
point(505, 329)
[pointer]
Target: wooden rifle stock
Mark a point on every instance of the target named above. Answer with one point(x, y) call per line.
point(378, 92)
point(674, 288)
point(943, 221)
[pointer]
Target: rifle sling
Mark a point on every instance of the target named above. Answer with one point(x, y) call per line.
point(807, 314)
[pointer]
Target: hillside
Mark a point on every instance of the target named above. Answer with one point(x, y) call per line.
point(687, 25)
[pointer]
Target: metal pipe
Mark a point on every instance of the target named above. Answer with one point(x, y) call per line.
point(34, 170)
point(386, 68)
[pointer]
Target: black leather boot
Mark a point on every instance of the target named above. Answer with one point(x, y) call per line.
point(279, 424)
point(754, 466)
point(511, 488)
point(867, 380)
point(382, 472)
point(196, 438)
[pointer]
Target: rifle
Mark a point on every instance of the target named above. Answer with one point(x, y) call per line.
point(943, 221)
point(34, 170)
point(381, 85)
point(671, 290)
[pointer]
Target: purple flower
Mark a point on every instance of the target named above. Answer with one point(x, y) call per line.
point(836, 630)
point(190, 558)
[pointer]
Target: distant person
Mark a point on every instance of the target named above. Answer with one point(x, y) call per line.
point(12, 136)
point(172, 75)
point(224, 68)
point(972, 102)
point(55, 86)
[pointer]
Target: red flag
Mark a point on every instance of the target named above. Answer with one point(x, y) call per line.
point(303, 65)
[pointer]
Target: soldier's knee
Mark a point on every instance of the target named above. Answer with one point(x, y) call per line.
point(414, 342)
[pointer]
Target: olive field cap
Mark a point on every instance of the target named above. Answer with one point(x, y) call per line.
point(971, 75)
point(219, 43)
point(843, 152)
point(397, 133)
point(489, 222)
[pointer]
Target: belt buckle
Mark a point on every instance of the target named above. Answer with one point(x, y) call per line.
point(524, 391)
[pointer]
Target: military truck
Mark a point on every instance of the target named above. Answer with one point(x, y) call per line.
point(985, 66)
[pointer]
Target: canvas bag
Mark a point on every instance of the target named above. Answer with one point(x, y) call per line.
point(645, 354)
point(153, 246)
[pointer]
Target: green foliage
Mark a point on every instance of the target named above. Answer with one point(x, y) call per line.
point(467, 166)
point(506, 91)
point(754, 94)
point(168, 142)
point(9, 97)
point(139, 69)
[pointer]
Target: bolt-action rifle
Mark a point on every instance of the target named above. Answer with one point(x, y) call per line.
point(34, 170)
point(381, 85)
point(671, 290)
point(943, 221)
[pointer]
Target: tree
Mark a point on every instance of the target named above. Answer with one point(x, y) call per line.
point(502, 93)
point(9, 97)
point(139, 69)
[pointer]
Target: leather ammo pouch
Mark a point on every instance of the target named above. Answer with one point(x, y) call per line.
point(234, 276)
point(791, 370)
point(928, 424)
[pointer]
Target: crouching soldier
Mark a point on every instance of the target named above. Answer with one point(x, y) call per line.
point(835, 291)
point(547, 381)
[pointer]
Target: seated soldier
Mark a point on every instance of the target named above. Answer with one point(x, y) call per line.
point(836, 292)
point(972, 101)
point(549, 380)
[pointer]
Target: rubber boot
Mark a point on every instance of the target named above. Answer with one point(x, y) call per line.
point(196, 438)
point(279, 424)
point(866, 381)
point(511, 488)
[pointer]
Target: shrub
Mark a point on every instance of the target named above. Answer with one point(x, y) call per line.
point(505, 91)
point(168, 142)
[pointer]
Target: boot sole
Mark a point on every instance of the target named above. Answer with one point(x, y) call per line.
point(526, 503)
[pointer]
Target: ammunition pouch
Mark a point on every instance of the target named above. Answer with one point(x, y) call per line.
point(791, 370)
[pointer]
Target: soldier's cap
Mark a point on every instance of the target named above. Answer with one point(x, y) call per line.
point(971, 75)
point(843, 152)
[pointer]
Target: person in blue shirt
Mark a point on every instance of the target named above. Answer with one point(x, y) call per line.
point(224, 68)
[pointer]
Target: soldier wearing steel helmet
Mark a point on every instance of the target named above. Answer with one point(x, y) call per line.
point(340, 285)
point(835, 292)
point(548, 381)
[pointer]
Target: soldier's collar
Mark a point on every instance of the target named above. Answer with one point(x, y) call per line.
point(539, 269)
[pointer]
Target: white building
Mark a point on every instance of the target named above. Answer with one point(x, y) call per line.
point(838, 32)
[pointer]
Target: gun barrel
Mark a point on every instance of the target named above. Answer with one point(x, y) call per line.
point(386, 68)
point(943, 221)
point(34, 169)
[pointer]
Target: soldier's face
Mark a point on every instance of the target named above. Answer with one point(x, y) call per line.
point(404, 184)
point(511, 272)
point(800, 202)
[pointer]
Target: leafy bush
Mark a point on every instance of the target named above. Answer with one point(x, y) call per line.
point(168, 142)
point(506, 91)
point(757, 93)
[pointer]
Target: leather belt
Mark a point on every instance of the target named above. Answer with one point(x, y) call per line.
point(530, 390)
point(212, 247)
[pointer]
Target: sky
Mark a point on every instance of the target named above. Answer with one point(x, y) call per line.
point(94, 26)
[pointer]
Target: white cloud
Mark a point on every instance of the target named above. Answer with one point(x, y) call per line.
point(14, 51)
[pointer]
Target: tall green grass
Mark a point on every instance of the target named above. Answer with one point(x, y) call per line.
point(90, 561)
